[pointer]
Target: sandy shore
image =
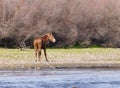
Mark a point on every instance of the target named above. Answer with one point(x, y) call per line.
point(58, 65)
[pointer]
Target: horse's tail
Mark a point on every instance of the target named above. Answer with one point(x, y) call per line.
point(37, 44)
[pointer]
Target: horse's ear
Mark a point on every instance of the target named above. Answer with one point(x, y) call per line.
point(46, 35)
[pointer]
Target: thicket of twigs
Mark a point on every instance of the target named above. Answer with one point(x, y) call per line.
point(73, 22)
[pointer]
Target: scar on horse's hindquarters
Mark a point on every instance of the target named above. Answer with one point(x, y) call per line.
point(39, 43)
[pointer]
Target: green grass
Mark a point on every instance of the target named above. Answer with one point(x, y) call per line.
point(73, 57)
point(76, 47)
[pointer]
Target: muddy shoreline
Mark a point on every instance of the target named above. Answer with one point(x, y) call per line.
point(55, 65)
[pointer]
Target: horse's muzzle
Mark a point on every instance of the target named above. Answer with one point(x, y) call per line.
point(54, 41)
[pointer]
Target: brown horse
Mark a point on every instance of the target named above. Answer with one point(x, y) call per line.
point(40, 43)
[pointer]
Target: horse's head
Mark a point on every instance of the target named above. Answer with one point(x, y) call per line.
point(51, 37)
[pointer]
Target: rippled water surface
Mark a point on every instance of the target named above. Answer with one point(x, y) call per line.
point(80, 78)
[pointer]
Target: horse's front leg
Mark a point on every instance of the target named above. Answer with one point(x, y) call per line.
point(45, 54)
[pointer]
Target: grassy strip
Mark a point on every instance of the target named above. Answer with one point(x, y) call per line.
point(60, 58)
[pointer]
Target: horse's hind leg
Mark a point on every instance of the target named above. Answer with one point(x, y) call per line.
point(39, 55)
point(36, 55)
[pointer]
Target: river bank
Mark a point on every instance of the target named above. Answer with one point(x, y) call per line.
point(56, 65)
point(61, 58)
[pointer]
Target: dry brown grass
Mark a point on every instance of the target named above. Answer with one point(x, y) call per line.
point(60, 58)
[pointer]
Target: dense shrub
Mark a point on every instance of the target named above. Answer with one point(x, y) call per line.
point(73, 22)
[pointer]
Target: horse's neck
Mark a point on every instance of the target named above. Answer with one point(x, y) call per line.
point(45, 39)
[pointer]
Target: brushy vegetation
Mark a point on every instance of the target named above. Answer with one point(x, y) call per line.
point(73, 22)
point(82, 57)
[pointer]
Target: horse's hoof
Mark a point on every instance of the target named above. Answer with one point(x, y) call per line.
point(51, 61)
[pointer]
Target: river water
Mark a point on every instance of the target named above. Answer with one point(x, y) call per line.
point(70, 78)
